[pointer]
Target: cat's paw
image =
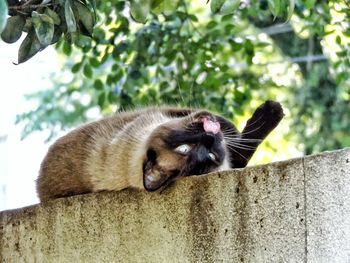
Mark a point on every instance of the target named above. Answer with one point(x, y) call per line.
point(270, 111)
point(265, 118)
point(273, 109)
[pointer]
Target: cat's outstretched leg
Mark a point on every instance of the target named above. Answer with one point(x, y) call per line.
point(243, 145)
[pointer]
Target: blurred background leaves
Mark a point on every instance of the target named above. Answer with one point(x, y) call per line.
point(225, 56)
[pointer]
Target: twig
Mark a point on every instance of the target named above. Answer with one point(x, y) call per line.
point(28, 7)
point(347, 3)
point(29, 2)
point(20, 7)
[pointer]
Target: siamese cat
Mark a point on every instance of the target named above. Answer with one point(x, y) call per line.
point(149, 148)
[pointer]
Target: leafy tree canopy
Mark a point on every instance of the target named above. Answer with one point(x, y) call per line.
point(227, 56)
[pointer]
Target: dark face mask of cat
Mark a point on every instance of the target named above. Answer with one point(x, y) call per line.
point(194, 149)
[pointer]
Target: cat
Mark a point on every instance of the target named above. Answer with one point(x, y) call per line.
point(150, 148)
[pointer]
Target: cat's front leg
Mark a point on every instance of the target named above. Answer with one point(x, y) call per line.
point(242, 146)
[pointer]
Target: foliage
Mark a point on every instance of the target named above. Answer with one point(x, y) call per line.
point(228, 63)
point(3, 14)
point(45, 21)
point(323, 103)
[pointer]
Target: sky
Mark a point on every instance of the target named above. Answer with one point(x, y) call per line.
point(20, 159)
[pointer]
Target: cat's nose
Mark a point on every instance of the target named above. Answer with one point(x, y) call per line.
point(208, 139)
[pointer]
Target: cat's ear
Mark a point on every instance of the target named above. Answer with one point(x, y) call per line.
point(153, 176)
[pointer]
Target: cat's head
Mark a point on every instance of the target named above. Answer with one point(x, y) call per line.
point(192, 145)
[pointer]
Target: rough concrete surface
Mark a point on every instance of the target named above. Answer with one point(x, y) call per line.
point(291, 211)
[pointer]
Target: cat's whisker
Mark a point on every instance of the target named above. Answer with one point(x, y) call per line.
point(229, 130)
point(237, 153)
point(250, 124)
point(243, 147)
point(254, 130)
point(239, 143)
point(242, 141)
point(237, 139)
point(232, 133)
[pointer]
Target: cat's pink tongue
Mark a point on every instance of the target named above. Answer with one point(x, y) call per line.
point(211, 126)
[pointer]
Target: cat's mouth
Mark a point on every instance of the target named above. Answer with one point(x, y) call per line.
point(156, 171)
point(168, 182)
point(155, 180)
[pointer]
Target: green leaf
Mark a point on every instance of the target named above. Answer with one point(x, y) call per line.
point(85, 17)
point(156, 3)
point(164, 6)
point(56, 35)
point(275, 7)
point(211, 25)
point(193, 18)
point(3, 14)
point(109, 80)
point(55, 17)
point(119, 49)
point(262, 44)
point(235, 46)
point(87, 71)
point(101, 99)
point(309, 4)
point(76, 67)
point(224, 7)
point(28, 25)
point(69, 15)
point(342, 53)
point(135, 74)
point(291, 7)
point(115, 67)
point(215, 5)
point(249, 47)
point(83, 41)
point(120, 5)
point(229, 7)
point(13, 29)
point(67, 48)
point(72, 38)
point(44, 28)
point(342, 76)
point(94, 62)
point(111, 97)
point(93, 5)
point(338, 40)
point(139, 10)
point(98, 84)
point(29, 47)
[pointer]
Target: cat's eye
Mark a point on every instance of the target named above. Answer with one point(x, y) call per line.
point(212, 156)
point(183, 149)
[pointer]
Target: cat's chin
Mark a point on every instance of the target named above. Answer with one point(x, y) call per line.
point(150, 187)
point(224, 166)
point(154, 181)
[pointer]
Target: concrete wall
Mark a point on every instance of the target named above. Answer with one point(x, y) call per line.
point(292, 211)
